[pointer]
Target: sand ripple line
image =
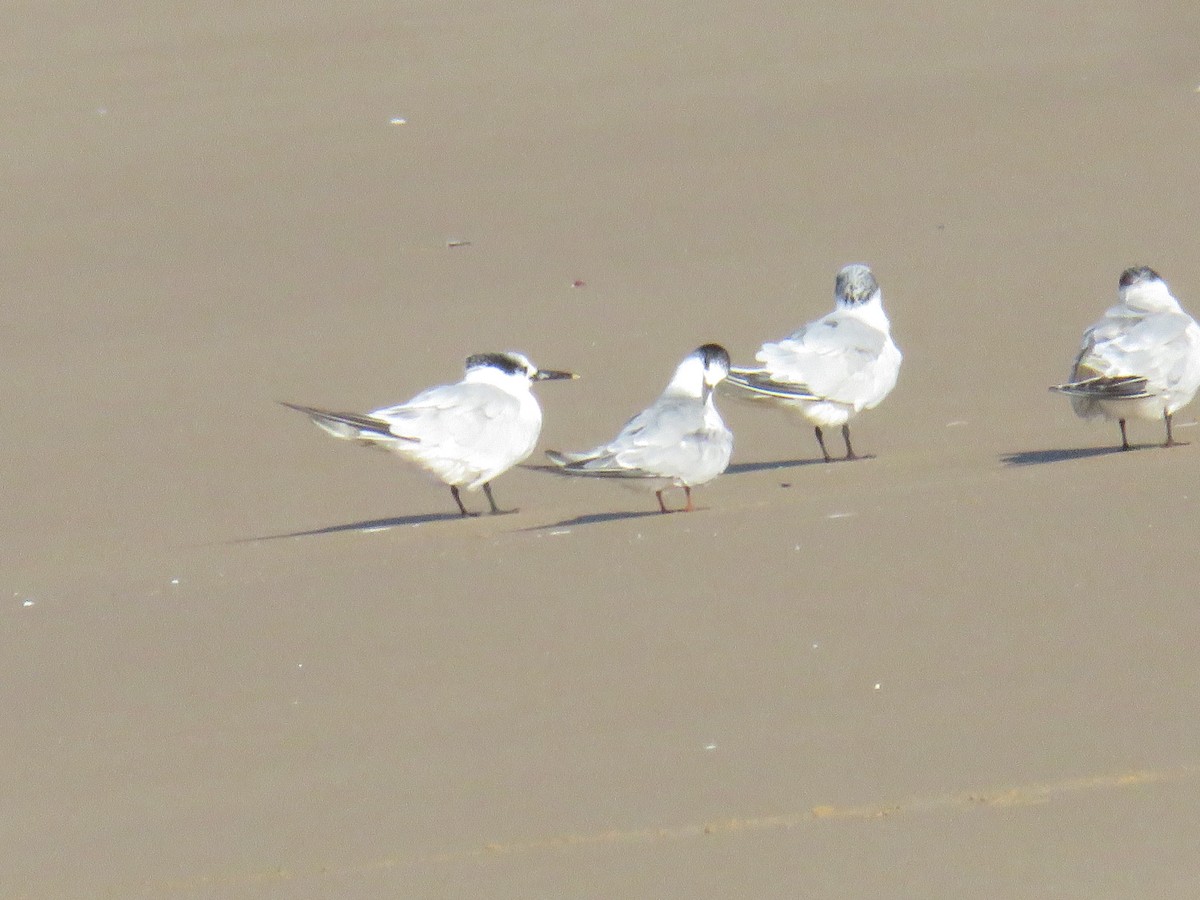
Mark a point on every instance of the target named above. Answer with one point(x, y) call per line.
point(1022, 795)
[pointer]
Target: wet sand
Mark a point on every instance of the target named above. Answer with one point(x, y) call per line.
point(242, 660)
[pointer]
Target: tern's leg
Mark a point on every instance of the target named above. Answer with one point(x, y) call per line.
point(821, 441)
point(661, 505)
point(1171, 442)
point(688, 491)
point(458, 500)
point(1124, 439)
point(487, 490)
point(850, 454)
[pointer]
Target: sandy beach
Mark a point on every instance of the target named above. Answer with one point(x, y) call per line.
point(240, 659)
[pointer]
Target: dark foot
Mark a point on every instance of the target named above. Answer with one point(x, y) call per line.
point(1171, 442)
point(661, 505)
point(821, 441)
point(850, 454)
point(1125, 439)
point(457, 499)
point(688, 508)
point(496, 510)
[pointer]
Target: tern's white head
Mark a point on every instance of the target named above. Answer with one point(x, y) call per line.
point(509, 368)
point(1143, 288)
point(701, 371)
point(855, 286)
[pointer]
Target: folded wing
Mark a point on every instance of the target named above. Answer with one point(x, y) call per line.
point(838, 358)
point(669, 439)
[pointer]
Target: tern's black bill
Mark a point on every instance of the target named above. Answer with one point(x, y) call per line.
point(552, 375)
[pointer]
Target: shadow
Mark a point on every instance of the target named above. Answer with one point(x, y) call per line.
point(1041, 457)
point(744, 468)
point(599, 518)
point(368, 525)
point(734, 468)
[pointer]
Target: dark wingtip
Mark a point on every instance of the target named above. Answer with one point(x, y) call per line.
point(1111, 387)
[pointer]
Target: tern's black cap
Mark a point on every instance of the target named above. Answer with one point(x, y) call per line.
point(713, 353)
point(505, 362)
point(1138, 275)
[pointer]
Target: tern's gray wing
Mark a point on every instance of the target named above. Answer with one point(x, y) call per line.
point(465, 414)
point(468, 432)
point(1156, 346)
point(834, 358)
point(668, 439)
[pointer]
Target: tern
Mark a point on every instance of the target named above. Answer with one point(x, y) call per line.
point(677, 441)
point(831, 369)
point(464, 434)
point(1142, 359)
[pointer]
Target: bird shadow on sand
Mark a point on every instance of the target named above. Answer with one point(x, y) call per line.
point(546, 469)
point(734, 468)
point(600, 518)
point(1041, 457)
point(745, 468)
point(367, 525)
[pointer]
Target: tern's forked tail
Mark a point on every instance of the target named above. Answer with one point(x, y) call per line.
point(759, 382)
point(1107, 387)
point(352, 426)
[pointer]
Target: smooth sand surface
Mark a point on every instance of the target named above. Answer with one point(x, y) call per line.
point(240, 659)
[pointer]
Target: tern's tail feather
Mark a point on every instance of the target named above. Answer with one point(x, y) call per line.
point(1107, 387)
point(600, 465)
point(562, 460)
point(352, 426)
point(758, 382)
